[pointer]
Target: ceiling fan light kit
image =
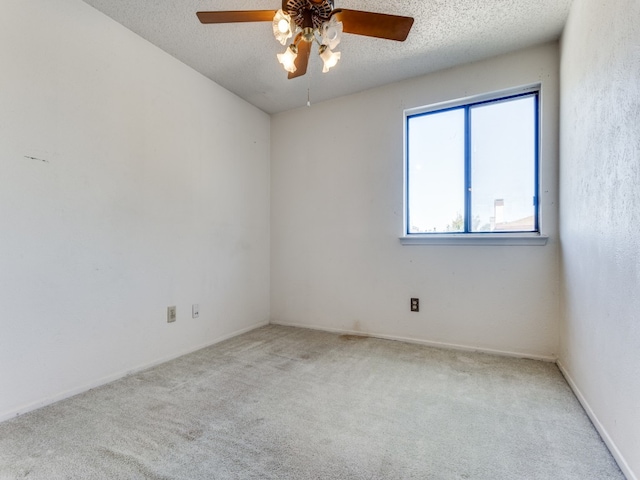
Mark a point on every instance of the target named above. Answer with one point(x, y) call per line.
point(309, 21)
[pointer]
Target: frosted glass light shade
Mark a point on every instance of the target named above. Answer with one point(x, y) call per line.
point(282, 27)
point(287, 59)
point(329, 58)
point(331, 33)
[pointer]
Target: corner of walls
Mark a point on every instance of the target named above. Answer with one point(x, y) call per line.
point(599, 205)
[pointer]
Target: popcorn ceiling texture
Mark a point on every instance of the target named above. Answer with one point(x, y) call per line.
point(242, 57)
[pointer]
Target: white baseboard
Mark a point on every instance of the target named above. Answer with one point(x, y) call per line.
point(113, 377)
point(429, 343)
point(116, 376)
point(624, 466)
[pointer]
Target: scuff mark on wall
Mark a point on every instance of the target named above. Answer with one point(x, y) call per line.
point(36, 158)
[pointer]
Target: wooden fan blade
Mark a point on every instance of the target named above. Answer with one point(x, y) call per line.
point(380, 25)
point(233, 16)
point(302, 60)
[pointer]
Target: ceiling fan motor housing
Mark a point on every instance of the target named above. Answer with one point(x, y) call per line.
point(304, 12)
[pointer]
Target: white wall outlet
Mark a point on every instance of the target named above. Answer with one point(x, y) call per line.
point(195, 310)
point(171, 314)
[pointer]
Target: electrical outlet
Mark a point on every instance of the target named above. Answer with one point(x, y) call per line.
point(171, 314)
point(195, 310)
point(415, 304)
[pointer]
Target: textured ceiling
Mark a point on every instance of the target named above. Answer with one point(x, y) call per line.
point(242, 56)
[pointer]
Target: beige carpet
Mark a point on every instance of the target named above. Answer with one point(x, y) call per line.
point(286, 403)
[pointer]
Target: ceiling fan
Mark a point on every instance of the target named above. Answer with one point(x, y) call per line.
point(315, 20)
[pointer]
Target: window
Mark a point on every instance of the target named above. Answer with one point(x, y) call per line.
point(472, 168)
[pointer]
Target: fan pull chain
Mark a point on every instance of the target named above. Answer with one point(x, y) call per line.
point(309, 90)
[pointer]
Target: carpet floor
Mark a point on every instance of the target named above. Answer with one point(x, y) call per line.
point(288, 403)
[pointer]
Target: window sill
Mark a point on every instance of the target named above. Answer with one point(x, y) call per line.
point(475, 239)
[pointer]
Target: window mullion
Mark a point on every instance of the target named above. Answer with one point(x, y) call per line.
point(467, 169)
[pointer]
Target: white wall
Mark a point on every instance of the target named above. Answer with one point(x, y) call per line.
point(128, 183)
point(336, 216)
point(600, 218)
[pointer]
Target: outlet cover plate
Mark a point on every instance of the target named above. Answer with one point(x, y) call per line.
point(195, 310)
point(171, 314)
point(415, 304)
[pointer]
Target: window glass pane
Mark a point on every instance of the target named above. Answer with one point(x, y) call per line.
point(436, 172)
point(503, 165)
